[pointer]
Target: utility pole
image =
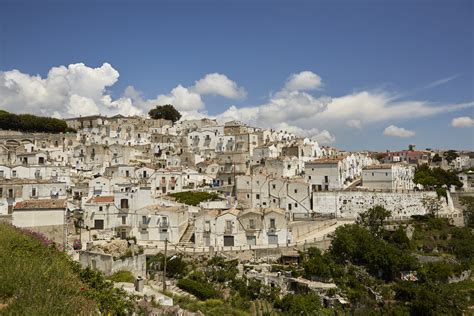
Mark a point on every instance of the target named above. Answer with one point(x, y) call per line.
point(164, 266)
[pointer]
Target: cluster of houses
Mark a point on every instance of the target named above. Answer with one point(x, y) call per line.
point(118, 172)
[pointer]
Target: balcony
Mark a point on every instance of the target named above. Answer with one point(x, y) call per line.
point(143, 225)
point(271, 229)
point(251, 228)
point(228, 230)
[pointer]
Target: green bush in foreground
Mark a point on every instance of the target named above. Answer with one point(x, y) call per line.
point(201, 290)
point(38, 279)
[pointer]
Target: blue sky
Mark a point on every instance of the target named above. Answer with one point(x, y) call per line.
point(403, 54)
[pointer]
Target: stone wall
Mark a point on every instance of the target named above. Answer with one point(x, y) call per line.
point(106, 263)
point(348, 204)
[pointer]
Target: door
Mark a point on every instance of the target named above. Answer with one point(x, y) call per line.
point(251, 240)
point(273, 239)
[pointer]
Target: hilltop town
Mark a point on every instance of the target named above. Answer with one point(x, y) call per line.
point(118, 192)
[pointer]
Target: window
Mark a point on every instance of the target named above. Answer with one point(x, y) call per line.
point(248, 196)
point(1, 192)
point(326, 179)
point(33, 192)
point(124, 203)
point(273, 186)
point(274, 200)
point(124, 220)
point(252, 223)
point(144, 219)
point(99, 224)
point(289, 206)
point(1, 173)
point(228, 225)
point(372, 174)
point(309, 177)
point(296, 191)
point(257, 196)
point(272, 223)
point(101, 208)
point(14, 173)
point(10, 193)
point(296, 205)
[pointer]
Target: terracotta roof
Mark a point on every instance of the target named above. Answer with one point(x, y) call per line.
point(41, 204)
point(101, 199)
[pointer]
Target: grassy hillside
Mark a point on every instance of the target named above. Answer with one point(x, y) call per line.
point(38, 279)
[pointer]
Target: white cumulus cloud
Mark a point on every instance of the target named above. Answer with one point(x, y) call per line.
point(305, 80)
point(463, 121)
point(66, 91)
point(396, 131)
point(219, 84)
point(182, 98)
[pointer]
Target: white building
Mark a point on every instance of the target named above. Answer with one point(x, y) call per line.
point(388, 177)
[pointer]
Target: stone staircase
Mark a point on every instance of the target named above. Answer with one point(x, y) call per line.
point(185, 240)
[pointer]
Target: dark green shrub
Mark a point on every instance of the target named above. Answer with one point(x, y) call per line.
point(201, 290)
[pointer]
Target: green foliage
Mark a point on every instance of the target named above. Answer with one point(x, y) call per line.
point(437, 158)
point(211, 306)
point(300, 304)
point(200, 289)
point(109, 299)
point(175, 265)
point(431, 298)
point(435, 177)
point(40, 280)
point(316, 264)
point(374, 219)
point(122, 276)
point(400, 239)
point(450, 155)
point(31, 123)
point(468, 209)
point(439, 271)
point(219, 270)
point(353, 243)
point(167, 112)
point(462, 244)
point(194, 197)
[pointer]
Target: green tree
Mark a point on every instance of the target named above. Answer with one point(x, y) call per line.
point(437, 158)
point(167, 112)
point(298, 304)
point(468, 209)
point(374, 219)
point(315, 264)
point(450, 155)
